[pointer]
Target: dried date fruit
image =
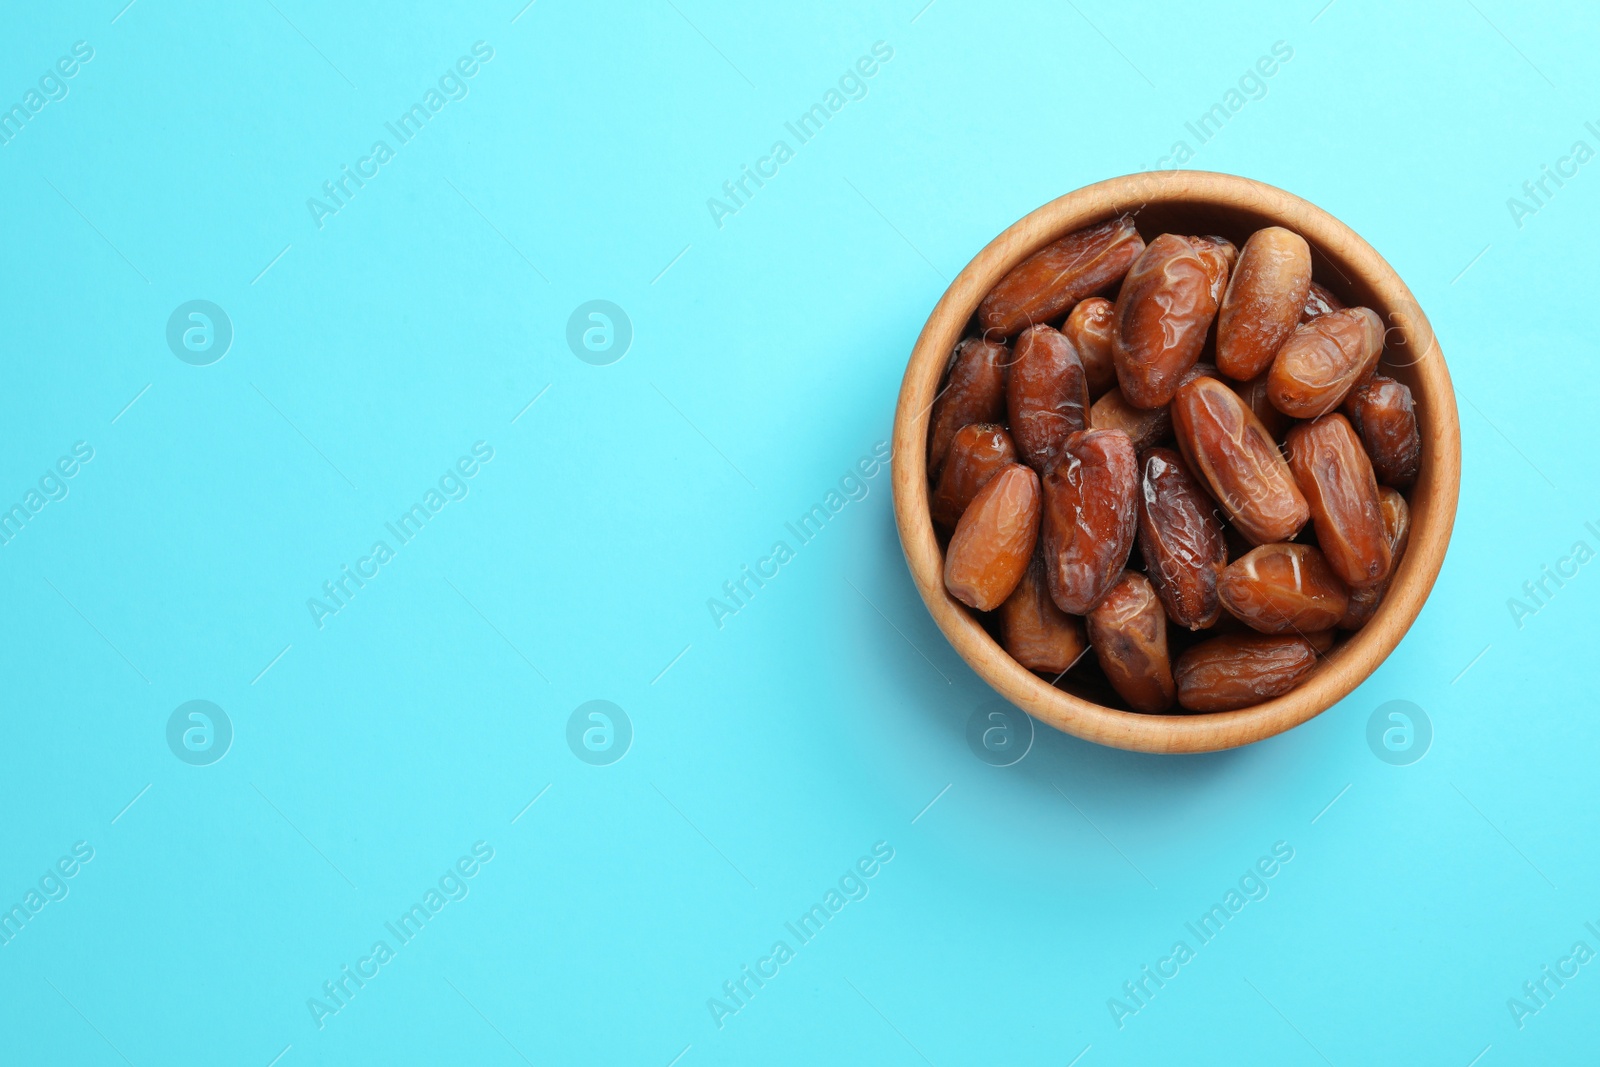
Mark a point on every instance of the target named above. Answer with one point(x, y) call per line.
point(1089, 328)
point(1364, 603)
point(1335, 475)
point(1396, 523)
point(1284, 588)
point(1319, 301)
point(979, 452)
point(1128, 632)
point(994, 540)
point(1047, 283)
point(1238, 670)
point(1385, 418)
point(1181, 540)
point(1323, 359)
point(1039, 635)
point(1254, 395)
point(1219, 255)
point(1264, 300)
point(1090, 515)
point(1047, 396)
point(974, 392)
point(1144, 426)
point(1163, 313)
point(1232, 453)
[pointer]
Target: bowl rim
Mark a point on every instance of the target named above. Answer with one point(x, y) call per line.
point(1433, 499)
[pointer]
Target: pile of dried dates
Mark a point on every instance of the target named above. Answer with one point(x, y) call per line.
point(1211, 405)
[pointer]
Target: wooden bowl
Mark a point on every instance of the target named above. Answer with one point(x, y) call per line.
point(1190, 202)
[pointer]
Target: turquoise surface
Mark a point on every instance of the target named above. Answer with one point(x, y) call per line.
point(387, 384)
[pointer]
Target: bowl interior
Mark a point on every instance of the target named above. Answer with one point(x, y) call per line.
point(1188, 203)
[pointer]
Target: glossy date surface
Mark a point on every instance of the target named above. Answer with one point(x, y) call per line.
point(1323, 360)
point(994, 540)
point(1128, 632)
point(1238, 670)
point(1047, 395)
point(1335, 475)
point(1264, 301)
point(1385, 418)
point(1231, 452)
point(1043, 286)
point(979, 452)
point(1364, 603)
point(1163, 313)
point(1089, 328)
point(975, 391)
point(1039, 635)
point(1180, 539)
point(1090, 515)
point(1284, 589)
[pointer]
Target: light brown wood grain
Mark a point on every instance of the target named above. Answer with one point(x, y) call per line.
point(1190, 202)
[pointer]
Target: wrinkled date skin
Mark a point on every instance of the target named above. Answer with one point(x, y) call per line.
point(1128, 632)
point(1039, 635)
point(1047, 396)
point(1090, 515)
point(1264, 301)
point(1284, 589)
point(1323, 360)
point(1050, 281)
point(1237, 670)
point(994, 540)
point(1254, 395)
point(1364, 603)
point(1232, 453)
point(1335, 475)
point(1219, 255)
point(1162, 313)
point(1319, 301)
point(979, 452)
point(1144, 426)
point(975, 392)
point(1181, 540)
point(1089, 328)
point(1385, 418)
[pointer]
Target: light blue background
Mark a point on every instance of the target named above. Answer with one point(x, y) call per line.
point(825, 716)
